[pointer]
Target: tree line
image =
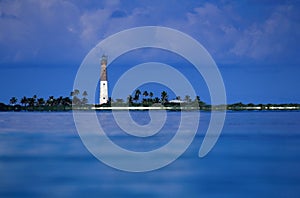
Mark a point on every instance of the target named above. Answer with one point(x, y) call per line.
point(52, 103)
point(136, 99)
point(147, 99)
point(77, 99)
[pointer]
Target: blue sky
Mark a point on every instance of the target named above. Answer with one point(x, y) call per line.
point(254, 43)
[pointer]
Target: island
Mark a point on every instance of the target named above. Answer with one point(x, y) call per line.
point(137, 101)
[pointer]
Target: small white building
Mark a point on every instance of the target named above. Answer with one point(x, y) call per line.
point(177, 101)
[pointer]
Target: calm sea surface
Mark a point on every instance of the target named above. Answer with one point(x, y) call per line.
point(257, 155)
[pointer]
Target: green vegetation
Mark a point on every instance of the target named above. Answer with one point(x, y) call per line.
point(139, 99)
point(147, 99)
point(40, 104)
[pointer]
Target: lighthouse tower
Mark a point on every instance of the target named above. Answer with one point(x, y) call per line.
point(103, 81)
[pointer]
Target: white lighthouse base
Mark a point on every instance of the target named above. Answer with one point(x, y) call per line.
point(103, 92)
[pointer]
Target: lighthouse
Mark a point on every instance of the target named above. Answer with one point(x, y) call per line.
point(103, 81)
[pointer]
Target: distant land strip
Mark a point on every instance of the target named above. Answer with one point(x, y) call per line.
point(166, 106)
point(148, 102)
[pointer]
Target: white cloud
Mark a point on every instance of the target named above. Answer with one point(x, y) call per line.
point(101, 23)
point(269, 38)
point(230, 37)
point(34, 28)
point(93, 25)
point(215, 27)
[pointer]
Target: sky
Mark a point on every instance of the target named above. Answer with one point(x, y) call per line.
point(255, 44)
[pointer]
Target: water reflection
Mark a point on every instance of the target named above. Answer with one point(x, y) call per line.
point(257, 155)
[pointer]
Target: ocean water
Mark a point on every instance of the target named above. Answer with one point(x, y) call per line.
point(257, 155)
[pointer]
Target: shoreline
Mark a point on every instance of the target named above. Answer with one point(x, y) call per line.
point(18, 108)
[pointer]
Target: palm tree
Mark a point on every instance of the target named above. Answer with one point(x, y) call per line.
point(84, 99)
point(145, 94)
point(156, 100)
point(40, 101)
point(50, 101)
point(59, 101)
point(151, 94)
point(199, 102)
point(13, 100)
point(129, 100)
point(67, 101)
point(76, 92)
point(137, 95)
point(164, 97)
point(187, 98)
point(84, 94)
point(24, 101)
point(34, 99)
point(31, 101)
point(76, 100)
point(145, 101)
